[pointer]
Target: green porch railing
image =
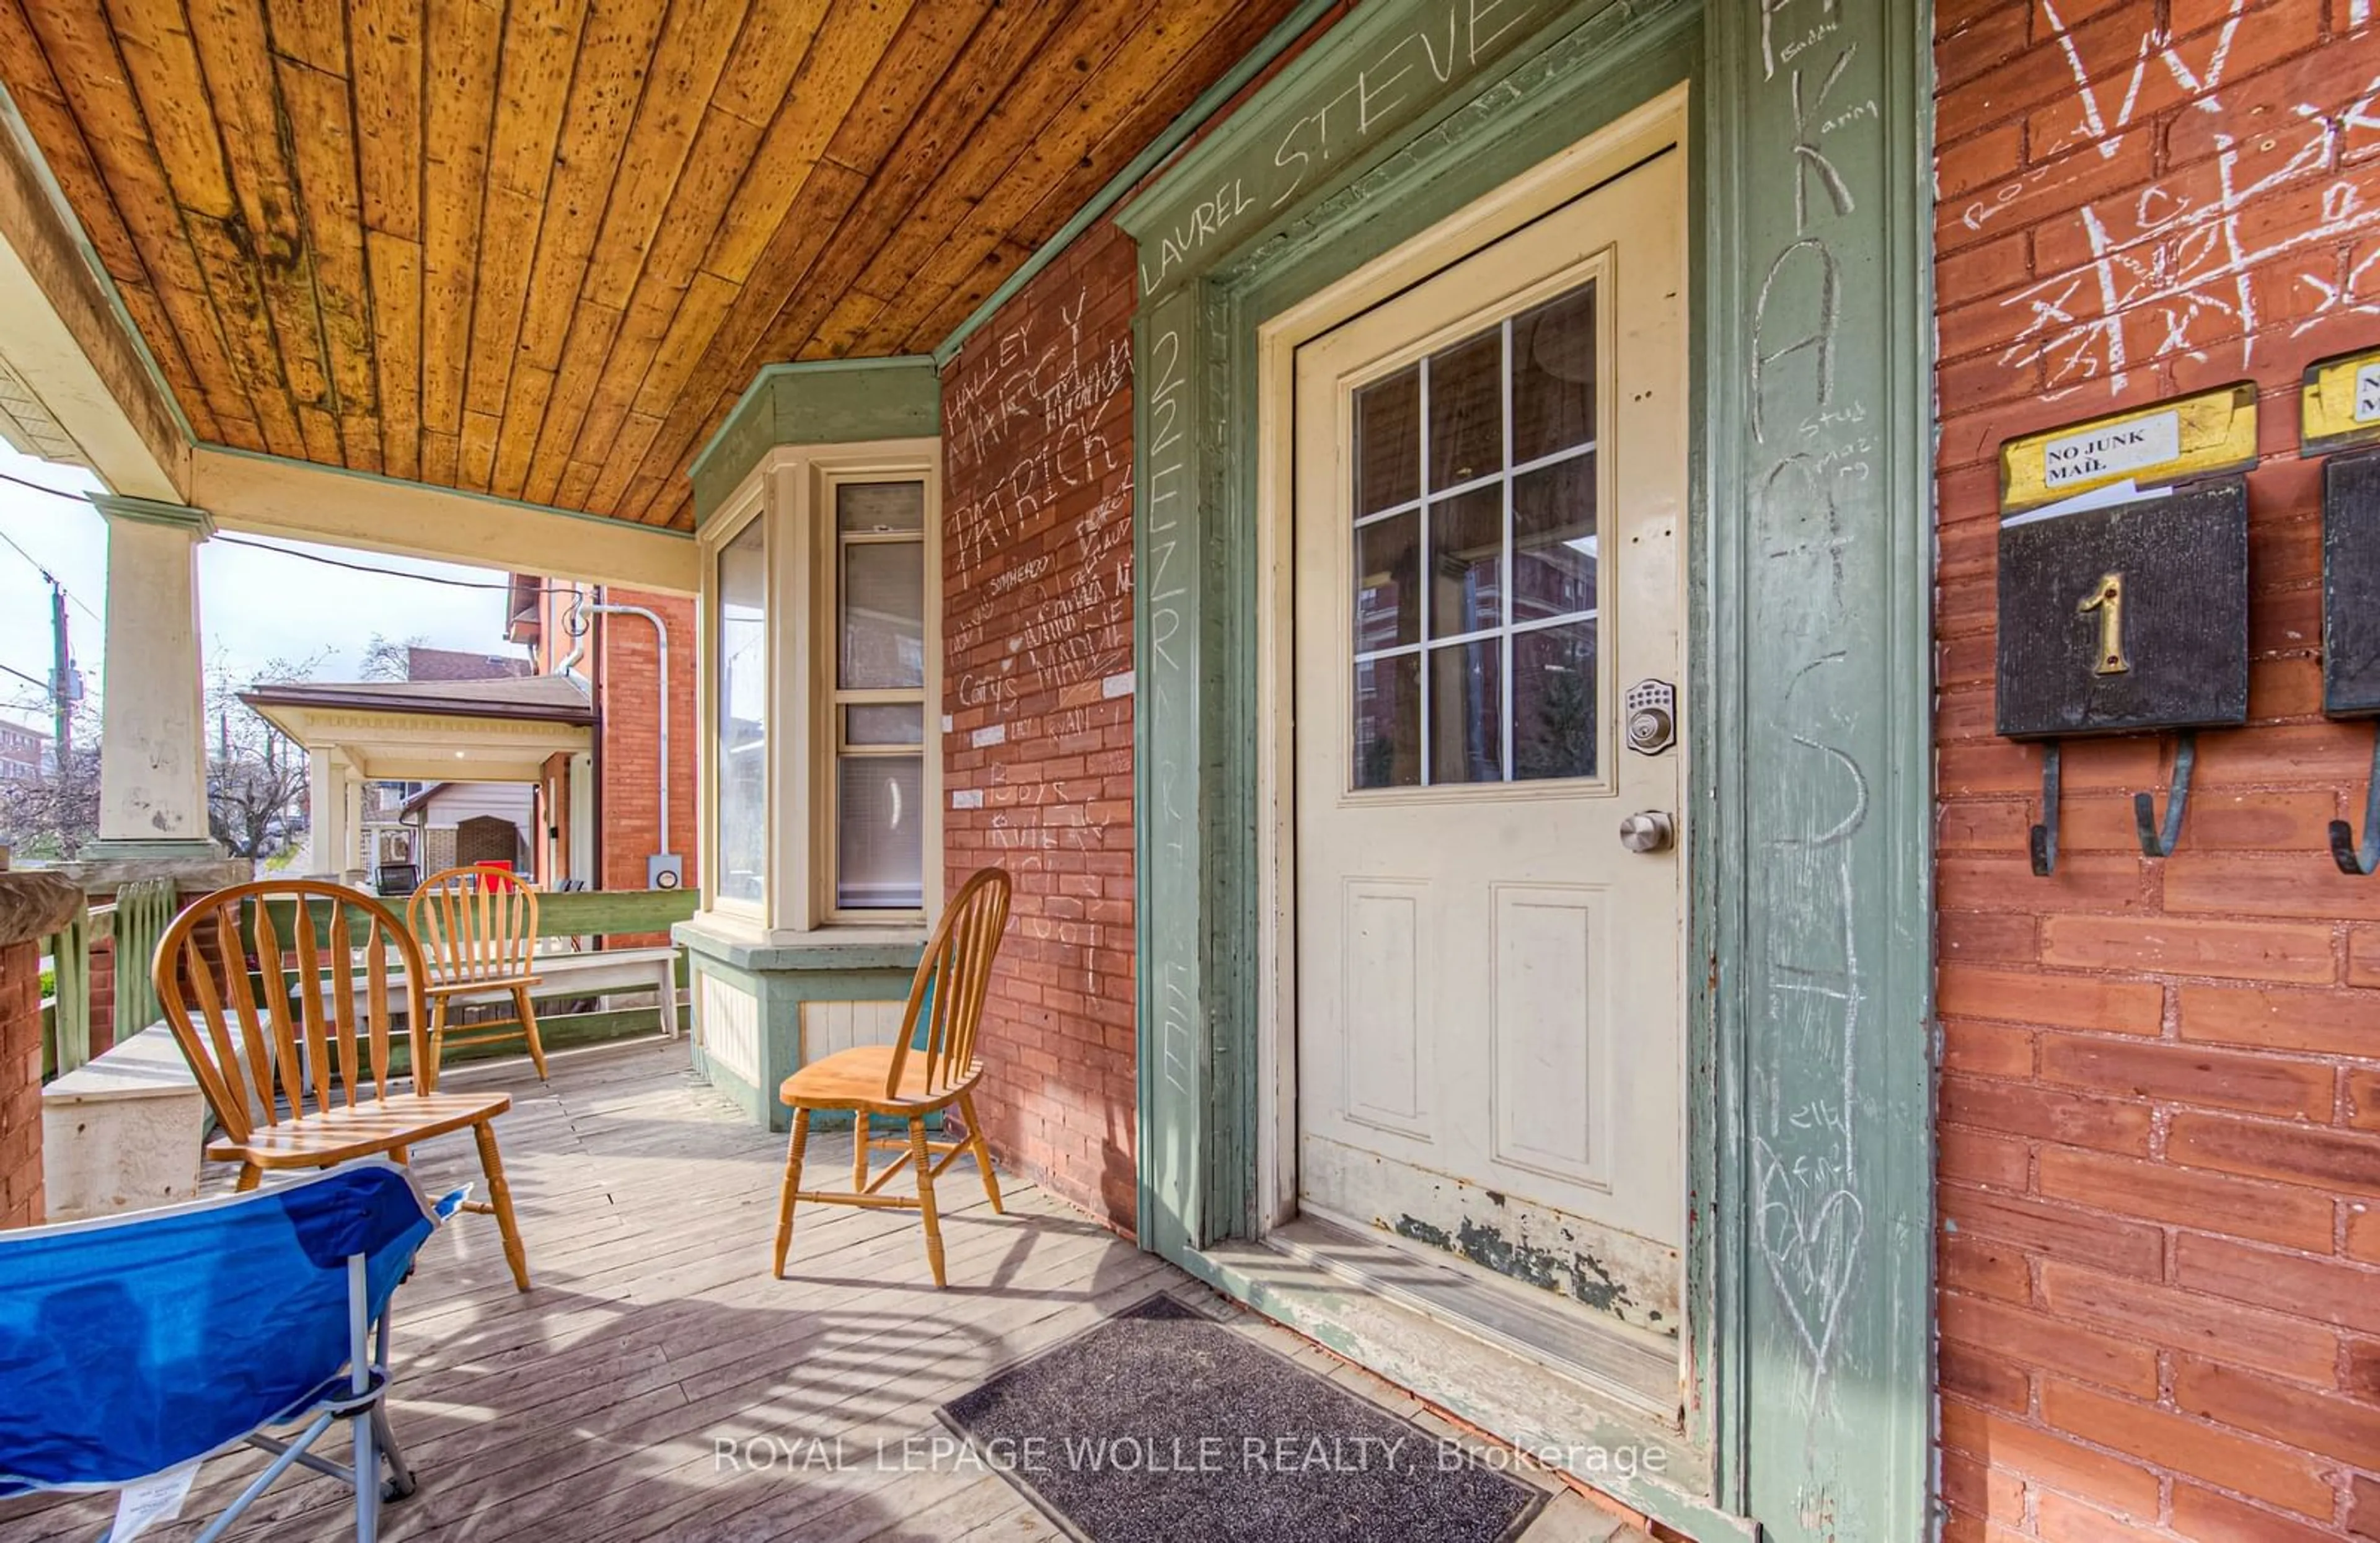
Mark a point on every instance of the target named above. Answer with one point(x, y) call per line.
point(143, 909)
point(66, 1017)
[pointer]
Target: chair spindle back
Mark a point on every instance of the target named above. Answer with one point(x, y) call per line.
point(951, 982)
point(475, 924)
point(285, 1040)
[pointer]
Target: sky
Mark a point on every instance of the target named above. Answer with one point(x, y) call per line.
point(254, 606)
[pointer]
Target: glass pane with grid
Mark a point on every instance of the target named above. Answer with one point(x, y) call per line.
point(1477, 622)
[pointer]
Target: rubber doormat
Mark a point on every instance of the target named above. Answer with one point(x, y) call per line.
point(1161, 1424)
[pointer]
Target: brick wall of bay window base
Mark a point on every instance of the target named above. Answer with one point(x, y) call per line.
point(2159, 1139)
point(1036, 756)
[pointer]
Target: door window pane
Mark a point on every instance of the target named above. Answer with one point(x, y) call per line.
point(879, 816)
point(1466, 563)
point(1387, 441)
point(1466, 410)
point(1476, 622)
point(1388, 722)
point(1553, 376)
point(1466, 712)
point(1388, 582)
point(1554, 541)
point(1554, 712)
point(742, 766)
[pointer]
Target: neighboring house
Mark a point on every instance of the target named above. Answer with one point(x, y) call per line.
point(469, 822)
point(462, 664)
point(25, 753)
point(419, 735)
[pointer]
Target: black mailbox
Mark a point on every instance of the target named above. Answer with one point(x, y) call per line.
point(2131, 616)
point(2350, 585)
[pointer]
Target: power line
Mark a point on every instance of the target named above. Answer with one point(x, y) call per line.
point(260, 546)
point(366, 567)
point(47, 689)
point(38, 565)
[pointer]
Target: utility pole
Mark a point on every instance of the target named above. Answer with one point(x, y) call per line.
point(61, 674)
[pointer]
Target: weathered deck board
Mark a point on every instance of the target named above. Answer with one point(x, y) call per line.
point(592, 1408)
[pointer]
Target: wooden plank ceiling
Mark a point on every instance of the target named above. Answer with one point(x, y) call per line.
point(537, 247)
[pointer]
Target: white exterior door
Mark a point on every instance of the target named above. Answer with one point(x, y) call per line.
point(1490, 483)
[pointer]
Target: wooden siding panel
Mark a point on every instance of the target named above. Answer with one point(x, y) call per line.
point(397, 311)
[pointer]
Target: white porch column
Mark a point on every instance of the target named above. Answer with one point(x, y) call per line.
point(326, 811)
point(152, 777)
point(353, 865)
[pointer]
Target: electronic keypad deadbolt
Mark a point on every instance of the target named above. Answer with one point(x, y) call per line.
point(1651, 831)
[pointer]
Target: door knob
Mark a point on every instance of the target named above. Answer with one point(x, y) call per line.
point(1650, 832)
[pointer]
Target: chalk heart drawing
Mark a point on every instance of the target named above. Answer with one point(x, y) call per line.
point(1811, 1243)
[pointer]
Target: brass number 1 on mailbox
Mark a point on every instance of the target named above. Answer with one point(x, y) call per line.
point(2108, 601)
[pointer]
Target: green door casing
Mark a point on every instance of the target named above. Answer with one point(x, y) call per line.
point(1810, 1243)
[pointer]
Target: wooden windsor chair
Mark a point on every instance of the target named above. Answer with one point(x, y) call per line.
point(478, 928)
point(294, 1079)
point(931, 1067)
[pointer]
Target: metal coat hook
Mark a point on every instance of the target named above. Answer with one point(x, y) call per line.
point(2158, 843)
point(2044, 836)
point(2350, 858)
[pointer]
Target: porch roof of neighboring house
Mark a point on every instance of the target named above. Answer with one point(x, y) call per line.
point(535, 255)
point(435, 730)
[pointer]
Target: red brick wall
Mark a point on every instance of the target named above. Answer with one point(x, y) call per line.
point(628, 694)
point(2160, 1120)
point(1037, 763)
point(20, 1084)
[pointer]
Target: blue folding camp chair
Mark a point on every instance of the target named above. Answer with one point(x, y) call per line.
point(133, 1345)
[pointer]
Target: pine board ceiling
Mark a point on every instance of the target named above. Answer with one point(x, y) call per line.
point(537, 249)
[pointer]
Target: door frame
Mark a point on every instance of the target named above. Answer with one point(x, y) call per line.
point(1810, 1393)
point(1656, 127)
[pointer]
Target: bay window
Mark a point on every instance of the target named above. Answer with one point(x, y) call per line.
point(825, 640)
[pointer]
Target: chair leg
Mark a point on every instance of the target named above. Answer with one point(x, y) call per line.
point(862, 1124)
point(801, 1138)
point(426, 1078)
point(250, 1176)
point(367, 1476)
point(401, 1481)
point(982, 1153)
point(527, 1016)
point(500, 1197)
point(924, 1161)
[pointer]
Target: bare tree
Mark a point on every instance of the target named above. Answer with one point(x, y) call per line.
point(52, 816)
point(256, 776)
point(385, 657)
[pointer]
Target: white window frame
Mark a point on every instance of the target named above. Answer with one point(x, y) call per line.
point(792, 491)
point(742, 512)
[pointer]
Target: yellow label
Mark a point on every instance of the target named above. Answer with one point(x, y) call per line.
point(2338, 405)
point(2190, 436)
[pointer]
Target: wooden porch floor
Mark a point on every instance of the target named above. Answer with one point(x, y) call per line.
point(594, 1407)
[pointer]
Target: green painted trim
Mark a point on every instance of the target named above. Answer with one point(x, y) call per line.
point(837, 402)
point(771, 373)
point(149, 851)
point(589, 913)
point(385, 481)
point(150, 511)
point(1211, 100)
